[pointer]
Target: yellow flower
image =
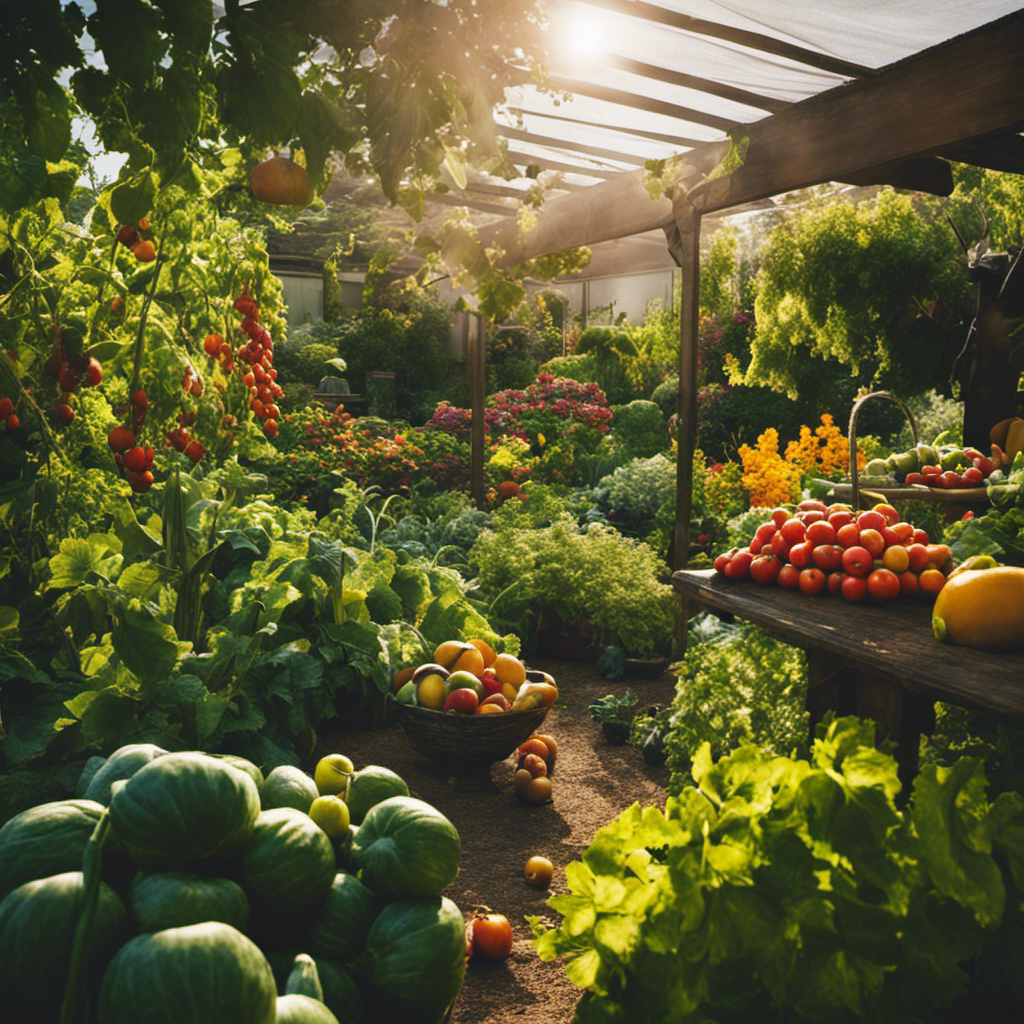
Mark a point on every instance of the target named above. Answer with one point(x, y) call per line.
point(540, 440)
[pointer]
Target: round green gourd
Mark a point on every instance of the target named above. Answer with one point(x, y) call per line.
point(245, 765)
point(369, 786)
point(45, 840)
point(123, 763)
point(341, 994)
point(415, 960)
point(89, 770)
point(297, 1009)
point(287, 866)
point(206, 973)
point(185, 811)
point(406, 848)
point(173, 899)
point(341, 923)
point(288, 786)
point(37, 930)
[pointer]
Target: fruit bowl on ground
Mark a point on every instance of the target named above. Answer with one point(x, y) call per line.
point(466, 739)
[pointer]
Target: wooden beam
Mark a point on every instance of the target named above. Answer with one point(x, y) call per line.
point(546, 163)
point(996, 152)
point(687, 81)
point(643, 133)
point(906, 111)
point(753, 40)
point(576, 147)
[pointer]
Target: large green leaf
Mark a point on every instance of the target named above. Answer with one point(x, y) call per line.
point(49, 133)
point(146, 646)
point(133, 198)
point(79, 561)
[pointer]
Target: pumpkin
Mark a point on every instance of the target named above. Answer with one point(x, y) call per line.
point(287, 866)
point(369, 786)
point(183, 811)
point(297, 1009)
point(415, 960)
point(341, 923)
point(89, 770)
point(203, 973)
point(982, 608)
point(45, 840)
point(123, 763)
point(406, 848)
point(37, 931)
point(288, 786)
point(173, 899)
point(281, 181)
point(245, 765)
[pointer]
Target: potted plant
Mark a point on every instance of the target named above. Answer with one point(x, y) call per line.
point(614, 715)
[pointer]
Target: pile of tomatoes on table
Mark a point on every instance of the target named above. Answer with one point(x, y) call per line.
point(830, 549)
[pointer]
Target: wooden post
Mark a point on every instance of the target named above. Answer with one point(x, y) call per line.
point(475, 365)
point(684, 244)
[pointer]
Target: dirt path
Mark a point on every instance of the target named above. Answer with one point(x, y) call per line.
point(593, 782)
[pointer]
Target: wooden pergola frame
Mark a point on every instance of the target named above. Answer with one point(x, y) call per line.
point(960, 100)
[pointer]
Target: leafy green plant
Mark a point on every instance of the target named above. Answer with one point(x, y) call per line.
point(640, 428)
point(614, 715)
point(738, 687)
point(788, 890)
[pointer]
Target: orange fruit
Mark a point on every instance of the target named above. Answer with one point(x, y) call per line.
point(485, 650)
point(931, 581)
point(538, 790)
point(509, 670)
point(538, 872)
point(489, 709)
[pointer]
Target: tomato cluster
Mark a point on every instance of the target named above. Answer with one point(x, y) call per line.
point(133, 459)
point(535, 764)
point(139, 240)
point(973, 476)
point(8, 417)
point(830, 549)
point(71, 370)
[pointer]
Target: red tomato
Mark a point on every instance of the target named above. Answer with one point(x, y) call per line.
point(921, 537)
point(914, 478)
point(857, 561)
point(904, 531)
point(120, 439)
point(6, 407)
point(811, 515)
point(780, 546)
point(835, 582)
point(931, 581)
point(838, 506)
point(792, 531)
point(973, 476)
point(985, 464)
point(918, 554)
point(67, 378)
point(848, 535)
point(840, 518)
point(883, 585)
point(135, 460)
point(854, 588)
point(871, 520)
point(908, 584)
point(490, 936)
point(812, 581)
point(739, 565)
point(873, 541)
point(723, 560)
point(890, 537)
point(888, 513)
point(812, 505)
point(765, 532)
point(755, 546)
point(765, 569)
point(800, 554)
point(828, 557)
point(780, 516)
point(821, 532)
point(789, 577)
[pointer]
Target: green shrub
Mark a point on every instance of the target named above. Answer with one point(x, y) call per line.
point(666, 396)
point(577, 367)
point(639, 428)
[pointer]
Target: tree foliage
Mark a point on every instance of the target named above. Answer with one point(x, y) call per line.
point(854, 287)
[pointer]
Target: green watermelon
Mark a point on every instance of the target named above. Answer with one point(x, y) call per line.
point(415, 960)
point(369, 786)
point(37, 930)
point(406, 848)
point(206, 973)
point(45, 840)
point(341, 923)
point(288, 786)
point(183, 812)
point(173, 899)
point(287, 866)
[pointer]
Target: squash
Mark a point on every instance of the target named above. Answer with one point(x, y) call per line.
point(406, 848)
point(203, 973)
point(173, 899)
point(341, 923)
point(982, 608)
point(245, 765)
point(340, 993)
point(89, 770)
point(415, 960)
point(369, 786)
point(288, 786)
point(185, 812)
point(303, 1001)
point(287, 866)
point(281, 181)
point(123, 763)
point(37, 931)
point(45, 840)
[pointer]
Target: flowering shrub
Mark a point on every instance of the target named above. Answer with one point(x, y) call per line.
point(724, 496)
point(548, 405)
point(823, 452)
point(459, 422)
point(509, 459)
point(767, 477)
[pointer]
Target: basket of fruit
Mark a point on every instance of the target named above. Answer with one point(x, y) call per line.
point(468, 705)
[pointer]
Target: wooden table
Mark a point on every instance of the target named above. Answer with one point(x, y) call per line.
point(876, 662)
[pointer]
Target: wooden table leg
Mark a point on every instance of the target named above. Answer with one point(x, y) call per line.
point(899, 714)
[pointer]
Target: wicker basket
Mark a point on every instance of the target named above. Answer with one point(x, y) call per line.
point(466, 739)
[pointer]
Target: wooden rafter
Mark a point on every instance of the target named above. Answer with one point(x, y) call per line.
point(576, 147)
point(743, 37)
point(857, 130)
point(546, 163)
point(643, 133)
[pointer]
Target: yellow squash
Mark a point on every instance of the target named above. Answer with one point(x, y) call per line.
point(982, 608)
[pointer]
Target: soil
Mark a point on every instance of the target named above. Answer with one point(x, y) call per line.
point(593, 782)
